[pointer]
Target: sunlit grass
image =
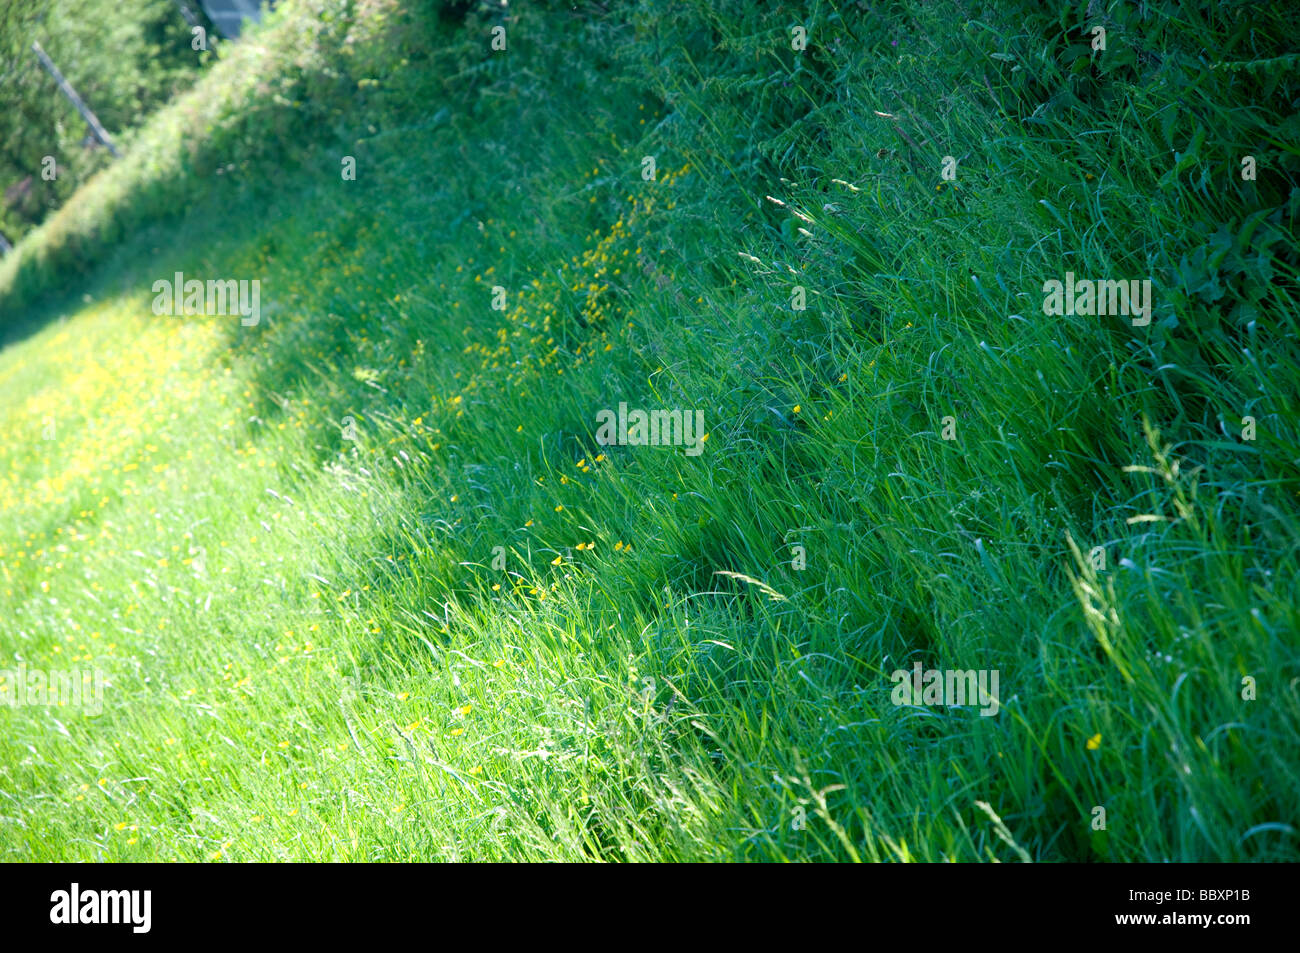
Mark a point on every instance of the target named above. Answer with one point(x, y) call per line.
point(283, 543)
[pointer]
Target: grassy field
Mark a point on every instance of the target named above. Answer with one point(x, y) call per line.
point(364, 585)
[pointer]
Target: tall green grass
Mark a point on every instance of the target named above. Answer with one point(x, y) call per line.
point(283, 543)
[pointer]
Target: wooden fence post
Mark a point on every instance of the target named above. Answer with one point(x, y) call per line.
point(71, 93)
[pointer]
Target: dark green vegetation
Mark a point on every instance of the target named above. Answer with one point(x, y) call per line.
point(124, 58)
point(279, 541)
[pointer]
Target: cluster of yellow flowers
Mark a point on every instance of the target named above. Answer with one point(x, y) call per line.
point(588, 290)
